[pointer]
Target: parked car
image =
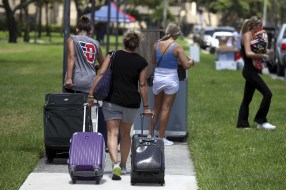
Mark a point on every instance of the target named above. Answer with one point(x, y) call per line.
point(272, 35)
point(221, 38)
point(224, 29)
point(219, 33)
point(206, 36)
point(280, 51)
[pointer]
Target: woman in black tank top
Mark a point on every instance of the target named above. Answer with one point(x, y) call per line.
point(253, 80)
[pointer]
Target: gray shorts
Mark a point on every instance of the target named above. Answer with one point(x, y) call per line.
point(113, 111)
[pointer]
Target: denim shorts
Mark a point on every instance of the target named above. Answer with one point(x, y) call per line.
point(113, 111)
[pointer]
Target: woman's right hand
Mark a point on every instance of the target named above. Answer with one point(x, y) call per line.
point(147, 111)
point(90, 101)
point(68, 84)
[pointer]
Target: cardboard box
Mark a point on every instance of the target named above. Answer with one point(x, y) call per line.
point(226, 65)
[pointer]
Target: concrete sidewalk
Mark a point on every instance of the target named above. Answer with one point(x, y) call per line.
point(179, 174)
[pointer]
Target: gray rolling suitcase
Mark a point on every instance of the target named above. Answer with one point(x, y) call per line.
point(147, 157)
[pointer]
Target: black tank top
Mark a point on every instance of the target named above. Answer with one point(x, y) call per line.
point(247, 61)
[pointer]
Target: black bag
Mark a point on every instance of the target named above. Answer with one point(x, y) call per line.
point(150, 80)
point(182, 73)
point(147, 158)
point(103, 86)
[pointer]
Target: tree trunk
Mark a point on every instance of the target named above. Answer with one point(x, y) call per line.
point(47, 19)
point(11, 22)
point(40, 21)
point(26, 25)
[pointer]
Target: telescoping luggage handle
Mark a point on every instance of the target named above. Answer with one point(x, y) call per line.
point(152, 117)
point(94, 112)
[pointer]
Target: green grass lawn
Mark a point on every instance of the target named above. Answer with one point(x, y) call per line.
point(224, 157)
point(27, 73)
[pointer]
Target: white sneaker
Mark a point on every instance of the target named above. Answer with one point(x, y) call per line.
point(266, 126)
point(167, 142)
point(123, 170)
point(156, 133)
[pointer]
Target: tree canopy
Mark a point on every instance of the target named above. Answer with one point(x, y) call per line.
point(232, 11)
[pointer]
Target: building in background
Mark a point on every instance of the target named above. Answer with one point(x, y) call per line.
point(187, 14)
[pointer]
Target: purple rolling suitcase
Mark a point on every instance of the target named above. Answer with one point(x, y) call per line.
point(86, 155)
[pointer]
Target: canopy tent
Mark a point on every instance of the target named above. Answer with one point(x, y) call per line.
point(101, 15)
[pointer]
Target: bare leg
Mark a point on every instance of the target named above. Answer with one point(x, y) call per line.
point(158, 101)
point(166, 108)
point(112, 139)
point(125, 142)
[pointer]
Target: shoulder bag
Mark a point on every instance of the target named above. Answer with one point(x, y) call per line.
point(151, 77)
point(103, 86)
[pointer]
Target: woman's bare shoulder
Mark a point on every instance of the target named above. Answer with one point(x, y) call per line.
point(248, 35)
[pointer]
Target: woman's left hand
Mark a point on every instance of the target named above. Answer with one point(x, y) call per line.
point(265, 57)
point(267, 51)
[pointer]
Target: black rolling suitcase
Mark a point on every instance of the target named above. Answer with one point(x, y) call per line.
point(63, 116)
point(147, 157)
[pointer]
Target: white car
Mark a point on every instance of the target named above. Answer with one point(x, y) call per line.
point(281, 51)
point(221, 38)
point(206, 37)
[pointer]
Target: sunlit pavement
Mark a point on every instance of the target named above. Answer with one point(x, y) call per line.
point(179, 174)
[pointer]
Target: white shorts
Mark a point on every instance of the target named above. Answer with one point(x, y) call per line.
point(166, 80)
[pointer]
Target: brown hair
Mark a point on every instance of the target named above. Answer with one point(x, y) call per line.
point(131, 39)
point(248, 24)
point(84, 23)
point(254, 21)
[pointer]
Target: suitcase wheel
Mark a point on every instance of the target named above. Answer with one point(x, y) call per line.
point(97, 182)
point(132, 181)
point(73, 180)
point(50, 154)
point(162, 182)
point(50, 159)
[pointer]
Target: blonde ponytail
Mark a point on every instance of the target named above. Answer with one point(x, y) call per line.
point(245, 26)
